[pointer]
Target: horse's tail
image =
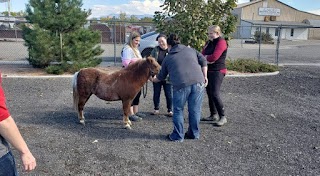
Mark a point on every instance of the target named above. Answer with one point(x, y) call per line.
point(75, 91)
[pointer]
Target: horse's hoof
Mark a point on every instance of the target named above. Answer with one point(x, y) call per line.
point(128, 127)
point(82, 122)
point(129, 122)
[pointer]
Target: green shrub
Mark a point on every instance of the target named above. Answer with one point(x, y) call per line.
point(76, 66)
point(265, 38)
point(55, 69)
point(250, 66)
point(72, 67)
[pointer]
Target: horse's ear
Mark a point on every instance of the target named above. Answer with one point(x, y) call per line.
point(150, 59)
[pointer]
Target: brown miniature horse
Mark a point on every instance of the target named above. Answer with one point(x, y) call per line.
point(121, 85)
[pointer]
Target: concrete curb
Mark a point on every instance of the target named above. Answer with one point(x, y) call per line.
point(14, 63)
point(254, 74)
point(44, 76)
point(108, 64)
point(300, 64)
point(70, 76)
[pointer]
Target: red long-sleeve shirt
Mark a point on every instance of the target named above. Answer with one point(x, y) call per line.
point(219, 48)
point(4, 113)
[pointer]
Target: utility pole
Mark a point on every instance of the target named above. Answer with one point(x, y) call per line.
point(9, 6)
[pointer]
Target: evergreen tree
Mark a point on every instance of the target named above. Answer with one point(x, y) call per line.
point(133, 18)
point(56, 33)
point(15, 14)
point(123, 16)
point(146, 20)
point(190, 19)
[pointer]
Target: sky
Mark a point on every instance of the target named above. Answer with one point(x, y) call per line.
point(143, 7)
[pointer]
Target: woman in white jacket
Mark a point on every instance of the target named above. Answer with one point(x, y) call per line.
point(130, 53)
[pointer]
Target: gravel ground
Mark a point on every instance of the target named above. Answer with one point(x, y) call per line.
point(273, 129)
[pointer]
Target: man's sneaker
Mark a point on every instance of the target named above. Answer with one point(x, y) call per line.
point(222, 121)
point(135, 118)
point(213, 118)
point(170, 114)
point(187, 136)
point(140, 114)
point(170, 139)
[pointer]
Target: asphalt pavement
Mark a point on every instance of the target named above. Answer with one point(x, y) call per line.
point(273, 129)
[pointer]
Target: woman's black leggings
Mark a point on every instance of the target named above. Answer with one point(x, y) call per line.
point(215, 79)
point(136, 99)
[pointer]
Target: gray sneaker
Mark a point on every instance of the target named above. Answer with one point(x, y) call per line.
point(140, 114)
point(135, 118)
point(221, 122)
point(213, 118)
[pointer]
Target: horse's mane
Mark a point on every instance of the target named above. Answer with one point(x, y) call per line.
point(138, 67)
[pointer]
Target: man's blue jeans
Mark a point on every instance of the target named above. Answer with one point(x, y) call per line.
point(8, 165)
point(193, 95)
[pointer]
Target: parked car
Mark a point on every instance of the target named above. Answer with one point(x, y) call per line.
point(147, 43)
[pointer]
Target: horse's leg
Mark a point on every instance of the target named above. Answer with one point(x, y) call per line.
point(126, 110)
point(81, 117)
point(76, 98)
point(82, 101)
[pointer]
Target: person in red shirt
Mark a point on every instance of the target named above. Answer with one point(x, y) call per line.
point(215, 52)
point(9, 133)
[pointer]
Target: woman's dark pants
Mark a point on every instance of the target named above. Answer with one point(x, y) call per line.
point(215, 79)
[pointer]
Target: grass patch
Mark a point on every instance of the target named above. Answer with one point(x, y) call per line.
point(250, 66)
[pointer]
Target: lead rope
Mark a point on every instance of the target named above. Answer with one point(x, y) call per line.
point(145, 89)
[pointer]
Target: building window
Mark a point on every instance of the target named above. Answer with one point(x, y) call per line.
point(276, 31)
point(265, 4)
point(292, 32)
point(267, 30)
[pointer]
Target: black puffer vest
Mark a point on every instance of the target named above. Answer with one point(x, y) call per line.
point(220, 63)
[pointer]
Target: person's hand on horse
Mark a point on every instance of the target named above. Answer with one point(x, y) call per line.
point(154, 79)
point(151, 78)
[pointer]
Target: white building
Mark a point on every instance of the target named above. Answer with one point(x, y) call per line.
point(270, 16)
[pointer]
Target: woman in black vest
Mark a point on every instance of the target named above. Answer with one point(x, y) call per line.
point(215, 52)
point(159, 53)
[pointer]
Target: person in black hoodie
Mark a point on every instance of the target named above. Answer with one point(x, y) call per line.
point(215, 52)
point(188, 75)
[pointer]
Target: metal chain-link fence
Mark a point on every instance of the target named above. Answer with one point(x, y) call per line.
point(113, 37)
point(288, 45)
point(280, 44)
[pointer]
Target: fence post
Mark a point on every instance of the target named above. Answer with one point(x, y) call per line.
point(114, 40)
point(260, 38)
point(241, 39)
point(15, 30)
point(61, 52)
point(278, 45)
